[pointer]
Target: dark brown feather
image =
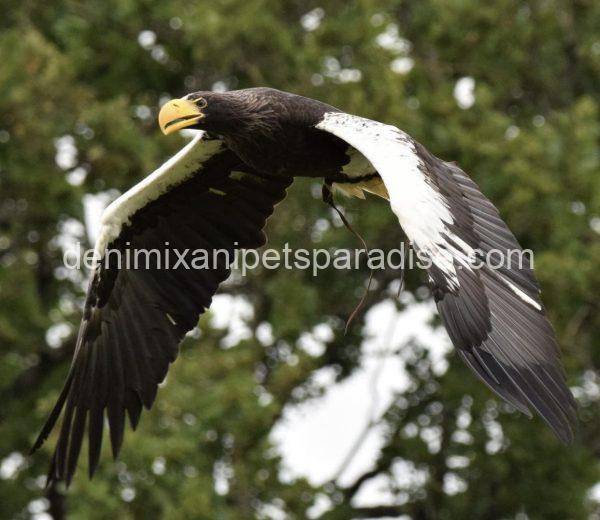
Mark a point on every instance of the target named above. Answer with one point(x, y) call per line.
point(128, 338)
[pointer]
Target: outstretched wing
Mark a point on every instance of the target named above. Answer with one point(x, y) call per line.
point(483, 285)
point(204, 200)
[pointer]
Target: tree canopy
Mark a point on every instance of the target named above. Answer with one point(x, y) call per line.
point(508, 90)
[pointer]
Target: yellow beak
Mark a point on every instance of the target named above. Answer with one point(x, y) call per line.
point(177, 114)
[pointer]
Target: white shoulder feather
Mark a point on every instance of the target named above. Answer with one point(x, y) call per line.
point(175, 170)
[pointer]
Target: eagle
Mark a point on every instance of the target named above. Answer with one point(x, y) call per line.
point(218, 191)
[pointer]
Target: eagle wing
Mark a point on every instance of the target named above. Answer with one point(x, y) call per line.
point(491, 309)
point(202, 199)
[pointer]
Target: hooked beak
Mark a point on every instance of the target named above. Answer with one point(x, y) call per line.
point(177, 114)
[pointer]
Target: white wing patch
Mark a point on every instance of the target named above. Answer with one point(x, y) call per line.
point(174, 171)
point(422, 211)
point(498, 327)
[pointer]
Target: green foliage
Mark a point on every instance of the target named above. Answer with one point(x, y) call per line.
point(77, 69)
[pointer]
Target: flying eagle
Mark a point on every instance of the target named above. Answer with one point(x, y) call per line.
point(217, 193)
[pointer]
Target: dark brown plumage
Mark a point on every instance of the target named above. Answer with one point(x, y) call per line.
point(217, 194)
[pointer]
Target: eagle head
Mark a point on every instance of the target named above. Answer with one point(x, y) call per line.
point(219, 112)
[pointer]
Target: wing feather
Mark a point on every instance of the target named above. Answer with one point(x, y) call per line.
point(204, 198)
point(493, 314)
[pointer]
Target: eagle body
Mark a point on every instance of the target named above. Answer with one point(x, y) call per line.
point(217, 193)
point(275, 132)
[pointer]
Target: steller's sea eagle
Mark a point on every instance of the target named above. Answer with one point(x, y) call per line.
point(217, 193)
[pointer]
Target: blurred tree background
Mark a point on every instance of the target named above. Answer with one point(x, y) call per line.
point(508, 89)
